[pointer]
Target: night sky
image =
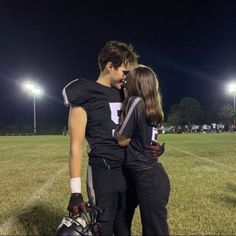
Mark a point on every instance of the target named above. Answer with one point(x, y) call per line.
point(191, 45)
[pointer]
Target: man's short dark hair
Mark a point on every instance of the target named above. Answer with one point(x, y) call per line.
point(117, 53)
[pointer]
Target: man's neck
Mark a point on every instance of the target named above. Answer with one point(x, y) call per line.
point(104, 80)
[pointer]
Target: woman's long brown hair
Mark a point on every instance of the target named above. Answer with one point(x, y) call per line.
point(142, 82)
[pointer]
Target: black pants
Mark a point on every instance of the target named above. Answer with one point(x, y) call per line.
point(153, 189)
point(107, 189)
point(131, 199)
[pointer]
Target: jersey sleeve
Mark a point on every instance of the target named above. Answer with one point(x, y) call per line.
point(131, 118)
point(75, 93)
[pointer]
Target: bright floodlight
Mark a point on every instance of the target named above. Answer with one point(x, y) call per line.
point(36, 91)
point(32, 88)
point(232, 87)
point(28, 86)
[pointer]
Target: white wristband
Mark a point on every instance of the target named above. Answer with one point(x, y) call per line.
point(75, 184)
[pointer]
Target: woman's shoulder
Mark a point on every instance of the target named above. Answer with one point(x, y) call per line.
point(135, 99)
point(136, 102)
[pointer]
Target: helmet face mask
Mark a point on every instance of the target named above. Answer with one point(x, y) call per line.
point(83, 224)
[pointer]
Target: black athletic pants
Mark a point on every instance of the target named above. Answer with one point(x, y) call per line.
point(107, 189)
point(131, 199)
point(153, 189)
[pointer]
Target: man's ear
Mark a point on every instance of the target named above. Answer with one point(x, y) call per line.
point(109, 66)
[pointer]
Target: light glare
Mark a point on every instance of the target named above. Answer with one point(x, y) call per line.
point(232, 88)
point(28, 86)
point(32, 88)
point(36, 91)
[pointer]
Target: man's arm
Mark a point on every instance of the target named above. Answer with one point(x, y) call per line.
point(77, 125)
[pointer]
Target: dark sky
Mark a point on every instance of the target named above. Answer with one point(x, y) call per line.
point(190, 44)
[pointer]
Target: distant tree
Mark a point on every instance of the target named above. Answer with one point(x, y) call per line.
point(211, 113)
point(175, 116)
point(188, 111)
point(226, 114)
point(191, 110)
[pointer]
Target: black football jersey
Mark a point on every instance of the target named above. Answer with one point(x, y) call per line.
point(103, 107)
point(136, 126)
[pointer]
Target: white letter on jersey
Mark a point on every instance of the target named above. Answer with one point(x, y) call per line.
point(115, 110)
point(154, 134)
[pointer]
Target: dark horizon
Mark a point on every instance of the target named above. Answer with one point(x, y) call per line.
point(191, 45)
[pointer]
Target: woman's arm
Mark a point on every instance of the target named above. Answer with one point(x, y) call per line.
point(122, 140)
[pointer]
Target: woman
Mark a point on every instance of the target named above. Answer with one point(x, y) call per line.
point(143, 111)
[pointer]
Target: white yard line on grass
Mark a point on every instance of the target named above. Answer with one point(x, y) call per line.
point(6, 226)
point(9, 147)
point(202, 158)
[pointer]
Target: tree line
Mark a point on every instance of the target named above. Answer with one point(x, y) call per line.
point(189, 111)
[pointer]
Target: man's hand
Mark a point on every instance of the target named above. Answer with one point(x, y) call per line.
point(76, 204)
point(154, 150)
point(88, 149)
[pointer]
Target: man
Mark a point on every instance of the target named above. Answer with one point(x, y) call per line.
point(94, 114)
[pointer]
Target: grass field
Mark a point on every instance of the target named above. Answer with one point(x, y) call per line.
point(34, 182)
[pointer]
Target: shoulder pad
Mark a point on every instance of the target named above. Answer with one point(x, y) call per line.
point(76, 92)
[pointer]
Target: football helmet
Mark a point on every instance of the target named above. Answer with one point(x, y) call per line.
point(84, 224)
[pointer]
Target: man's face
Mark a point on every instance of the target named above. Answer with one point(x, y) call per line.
point(118, 75)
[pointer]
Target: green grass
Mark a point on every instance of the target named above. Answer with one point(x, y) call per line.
point(34, 182)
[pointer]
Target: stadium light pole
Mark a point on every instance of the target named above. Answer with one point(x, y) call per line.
point(35, 91)
point(232, 90)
